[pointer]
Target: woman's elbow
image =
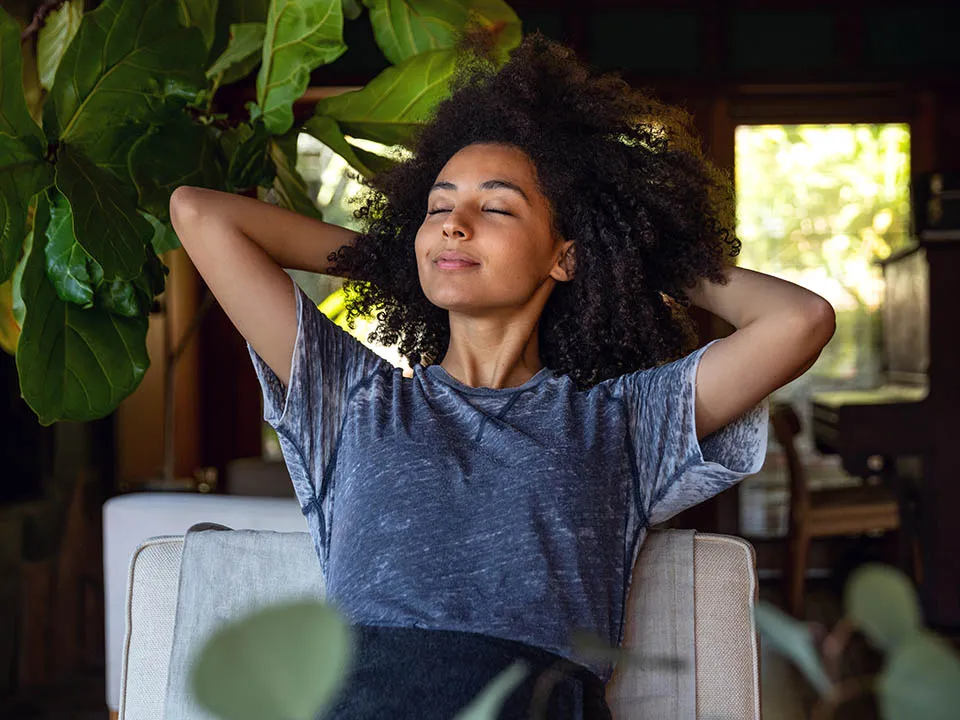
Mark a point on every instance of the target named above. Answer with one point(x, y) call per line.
point(819, 320)
point(183, 204)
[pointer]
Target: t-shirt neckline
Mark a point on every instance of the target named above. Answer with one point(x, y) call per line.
point(439, 373)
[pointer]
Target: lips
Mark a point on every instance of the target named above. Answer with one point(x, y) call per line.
point(452, 260)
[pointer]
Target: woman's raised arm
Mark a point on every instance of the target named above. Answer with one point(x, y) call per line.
point(781, 329)
point(240, 246)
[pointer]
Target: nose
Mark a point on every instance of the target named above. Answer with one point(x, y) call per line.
point(455, 227)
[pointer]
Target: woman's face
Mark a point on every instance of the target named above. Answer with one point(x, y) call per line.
point(486, 242)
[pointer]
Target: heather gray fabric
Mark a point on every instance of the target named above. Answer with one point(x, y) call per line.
point(213, 592)
point(516, 512)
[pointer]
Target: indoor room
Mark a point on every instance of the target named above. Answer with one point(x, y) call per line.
point(286, 289)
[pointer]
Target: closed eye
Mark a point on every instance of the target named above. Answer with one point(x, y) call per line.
point(493, 210)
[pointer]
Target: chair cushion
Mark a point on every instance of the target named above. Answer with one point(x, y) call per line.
point(224, 576)
point(130, 519)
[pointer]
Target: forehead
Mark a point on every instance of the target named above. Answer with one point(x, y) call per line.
point(489, 159)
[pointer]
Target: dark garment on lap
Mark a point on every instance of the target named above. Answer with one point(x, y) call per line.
point(434, 674)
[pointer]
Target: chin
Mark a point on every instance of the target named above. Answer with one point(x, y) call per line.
point(450, 305)
point(458, 302)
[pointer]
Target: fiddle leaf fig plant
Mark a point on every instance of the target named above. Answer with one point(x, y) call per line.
point(920, 677)
point(107, 107)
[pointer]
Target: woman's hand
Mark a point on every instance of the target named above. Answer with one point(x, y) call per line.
point(781, 329)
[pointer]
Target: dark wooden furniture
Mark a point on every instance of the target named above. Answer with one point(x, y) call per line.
point(915, 414)
point(828, 512)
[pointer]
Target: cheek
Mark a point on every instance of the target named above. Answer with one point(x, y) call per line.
point(420, 251)
point(520, 258)
point(419, 246)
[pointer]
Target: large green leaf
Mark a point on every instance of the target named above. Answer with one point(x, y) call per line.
point(233, 12)
point(284, 661)
point(882, 603)
point(404, 28)
point(16, 281)
point(301, 35)
point(351, 9)
point(54, 39)
point(921, 679)
point(107, 227)
point(131, 62)
point(15, 120)
point(123, 298)
point(78, 278)
point(23, 171)
point(201, 14)
point(19, 182)
point(792, 638)
point(72, 272)
point(133, 298)
point(9, 327)
point(164, 238)
point(110, 151)
point(250, 163)
point(391, 106)
point(242, 54)
point(326, 130)
point(15, 152)
point(157, 172)
point(244, 11)
point(73, 364)
point(289, 184)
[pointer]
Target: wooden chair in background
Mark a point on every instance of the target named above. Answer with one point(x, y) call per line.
point(825, 512)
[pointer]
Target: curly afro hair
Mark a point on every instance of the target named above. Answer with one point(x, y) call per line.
point(626, 181)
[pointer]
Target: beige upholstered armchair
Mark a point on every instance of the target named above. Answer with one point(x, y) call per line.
point(691, 598)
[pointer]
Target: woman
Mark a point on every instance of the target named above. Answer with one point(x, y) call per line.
point(532, 260)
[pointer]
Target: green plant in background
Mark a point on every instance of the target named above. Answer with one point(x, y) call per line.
point(920, 677)
point(115, 108)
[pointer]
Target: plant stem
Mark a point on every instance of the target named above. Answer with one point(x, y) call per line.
point(172, 356)
point(833, 647)
point(39, 18)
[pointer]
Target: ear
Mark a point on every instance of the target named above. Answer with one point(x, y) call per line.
point(563, 269)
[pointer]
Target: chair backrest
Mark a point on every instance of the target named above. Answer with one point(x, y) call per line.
point(130, 519)
point(720, 570)
point(786, 428)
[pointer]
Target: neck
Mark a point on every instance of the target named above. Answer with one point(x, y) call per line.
point(493, 353)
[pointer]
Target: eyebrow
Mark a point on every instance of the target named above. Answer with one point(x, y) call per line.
point(495, 184)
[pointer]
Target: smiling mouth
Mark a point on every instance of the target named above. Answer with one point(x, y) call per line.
point(456, 264)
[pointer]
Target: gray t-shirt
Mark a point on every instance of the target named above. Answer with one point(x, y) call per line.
point(516, 513)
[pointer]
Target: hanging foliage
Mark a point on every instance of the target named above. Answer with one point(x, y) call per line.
point(104, 113)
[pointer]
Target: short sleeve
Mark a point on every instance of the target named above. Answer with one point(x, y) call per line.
point(307, 415)
point(675, 470)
